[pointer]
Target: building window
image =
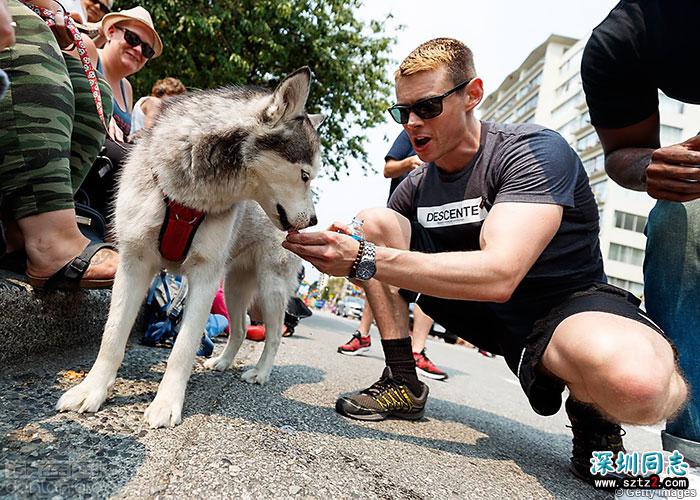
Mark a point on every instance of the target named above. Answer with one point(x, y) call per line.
point(631, 286)
point(670, 135)
point(628, 255)
point(630, 222)
point(587, 141)
point(576, 123)
point(528, 105)
point(669, 105)
point(599, 191)
point(565, 108)
point(595, 164)
point(568, 84)
point(572, 62)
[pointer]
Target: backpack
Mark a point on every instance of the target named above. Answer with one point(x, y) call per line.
point(164, 308)
point(165, 304)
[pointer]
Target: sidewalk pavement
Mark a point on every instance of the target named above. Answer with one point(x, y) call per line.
point(280, 440)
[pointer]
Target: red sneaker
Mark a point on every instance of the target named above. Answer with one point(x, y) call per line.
point(356, 345)
point(255, 333)
point(427, 368)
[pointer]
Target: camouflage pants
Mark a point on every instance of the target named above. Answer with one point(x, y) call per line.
point(50, 132)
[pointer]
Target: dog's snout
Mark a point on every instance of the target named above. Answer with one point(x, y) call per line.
point(313, 221)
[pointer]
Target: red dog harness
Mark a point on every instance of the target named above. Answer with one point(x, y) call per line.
point(178, 230)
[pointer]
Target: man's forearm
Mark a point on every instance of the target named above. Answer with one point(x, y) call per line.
point(627, 167)
point(396, 168)
point(472, 275)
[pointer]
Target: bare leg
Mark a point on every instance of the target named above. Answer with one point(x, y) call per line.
point(130, 285)
point(387, 228)
point(366, 320)
point(422, 323)
point(52, 239)
point(622, 367)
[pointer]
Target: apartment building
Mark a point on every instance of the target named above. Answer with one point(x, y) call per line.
point(546, 89)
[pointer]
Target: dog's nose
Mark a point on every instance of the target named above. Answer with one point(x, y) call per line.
point(313, 221)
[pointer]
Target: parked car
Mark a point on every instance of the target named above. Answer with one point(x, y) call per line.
point(437, 330)
point(350, 307)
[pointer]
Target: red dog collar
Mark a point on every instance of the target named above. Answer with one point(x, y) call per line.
point(178, 230)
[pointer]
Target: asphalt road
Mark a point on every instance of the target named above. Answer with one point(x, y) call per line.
point(480, 439)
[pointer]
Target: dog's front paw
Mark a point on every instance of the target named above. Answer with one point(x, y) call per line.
point(84, 397)
point(219, 363)
point(255, 376)
point(163, 413)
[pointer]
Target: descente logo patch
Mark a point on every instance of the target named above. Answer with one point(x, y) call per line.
point(452, 214)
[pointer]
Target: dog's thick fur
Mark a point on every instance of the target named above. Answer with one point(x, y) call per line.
point(211, 150)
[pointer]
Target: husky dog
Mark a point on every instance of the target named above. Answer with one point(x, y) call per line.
point(208, 151)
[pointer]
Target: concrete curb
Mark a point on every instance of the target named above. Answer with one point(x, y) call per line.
point(36, 323)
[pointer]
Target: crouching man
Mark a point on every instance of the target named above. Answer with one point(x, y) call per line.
point(498, 233)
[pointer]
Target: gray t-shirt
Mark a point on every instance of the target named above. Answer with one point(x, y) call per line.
point(515, 163)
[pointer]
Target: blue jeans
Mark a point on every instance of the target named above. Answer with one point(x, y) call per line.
point(672, 298)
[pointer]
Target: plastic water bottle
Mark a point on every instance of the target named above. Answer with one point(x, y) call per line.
point(356, 230)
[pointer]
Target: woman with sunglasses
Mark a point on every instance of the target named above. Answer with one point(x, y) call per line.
point(131, 42)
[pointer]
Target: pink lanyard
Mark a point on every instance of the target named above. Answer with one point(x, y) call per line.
point(49, 19)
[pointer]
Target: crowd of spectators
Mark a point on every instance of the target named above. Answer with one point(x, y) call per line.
point(81, 114)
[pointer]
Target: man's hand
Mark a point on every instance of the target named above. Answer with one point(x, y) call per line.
point(7, 31)
point(332, 251)
point(674, 172)
point(413, 162)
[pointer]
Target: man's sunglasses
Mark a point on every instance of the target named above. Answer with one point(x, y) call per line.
point(427, 108)
point(103, 7)
point(133, 39)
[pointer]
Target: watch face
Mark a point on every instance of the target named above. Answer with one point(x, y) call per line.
point(365, 270)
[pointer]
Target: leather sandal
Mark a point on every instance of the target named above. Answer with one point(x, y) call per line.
point(70, 276)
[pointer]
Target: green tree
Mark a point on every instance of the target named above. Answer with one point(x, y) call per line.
point(212, 43)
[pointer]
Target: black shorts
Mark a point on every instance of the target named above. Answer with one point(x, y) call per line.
point(479, 323)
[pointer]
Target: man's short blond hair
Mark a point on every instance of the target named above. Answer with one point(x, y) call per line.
point(430, 55)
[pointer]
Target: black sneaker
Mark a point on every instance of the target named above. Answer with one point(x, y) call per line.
point(388, 397)
point(592, 432)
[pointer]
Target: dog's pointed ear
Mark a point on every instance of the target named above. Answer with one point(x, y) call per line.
point(316, 120)
point(289, 98)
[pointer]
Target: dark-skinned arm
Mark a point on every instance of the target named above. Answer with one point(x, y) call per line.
point(634, 160)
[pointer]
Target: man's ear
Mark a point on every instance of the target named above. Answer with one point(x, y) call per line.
point(289, 98)
point(316, 120)
point(474, 93)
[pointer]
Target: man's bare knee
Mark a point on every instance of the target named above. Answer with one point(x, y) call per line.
point(625, 368)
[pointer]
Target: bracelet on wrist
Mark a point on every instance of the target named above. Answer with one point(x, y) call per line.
point(358, 257)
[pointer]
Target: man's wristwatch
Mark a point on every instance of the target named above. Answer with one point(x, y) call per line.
point(365, 265)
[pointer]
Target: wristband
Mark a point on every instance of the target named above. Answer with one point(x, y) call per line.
point(358, 257)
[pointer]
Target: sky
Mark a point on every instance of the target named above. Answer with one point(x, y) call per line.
point(500, 33)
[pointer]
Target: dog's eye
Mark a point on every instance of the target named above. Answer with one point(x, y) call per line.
point(305, 176)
